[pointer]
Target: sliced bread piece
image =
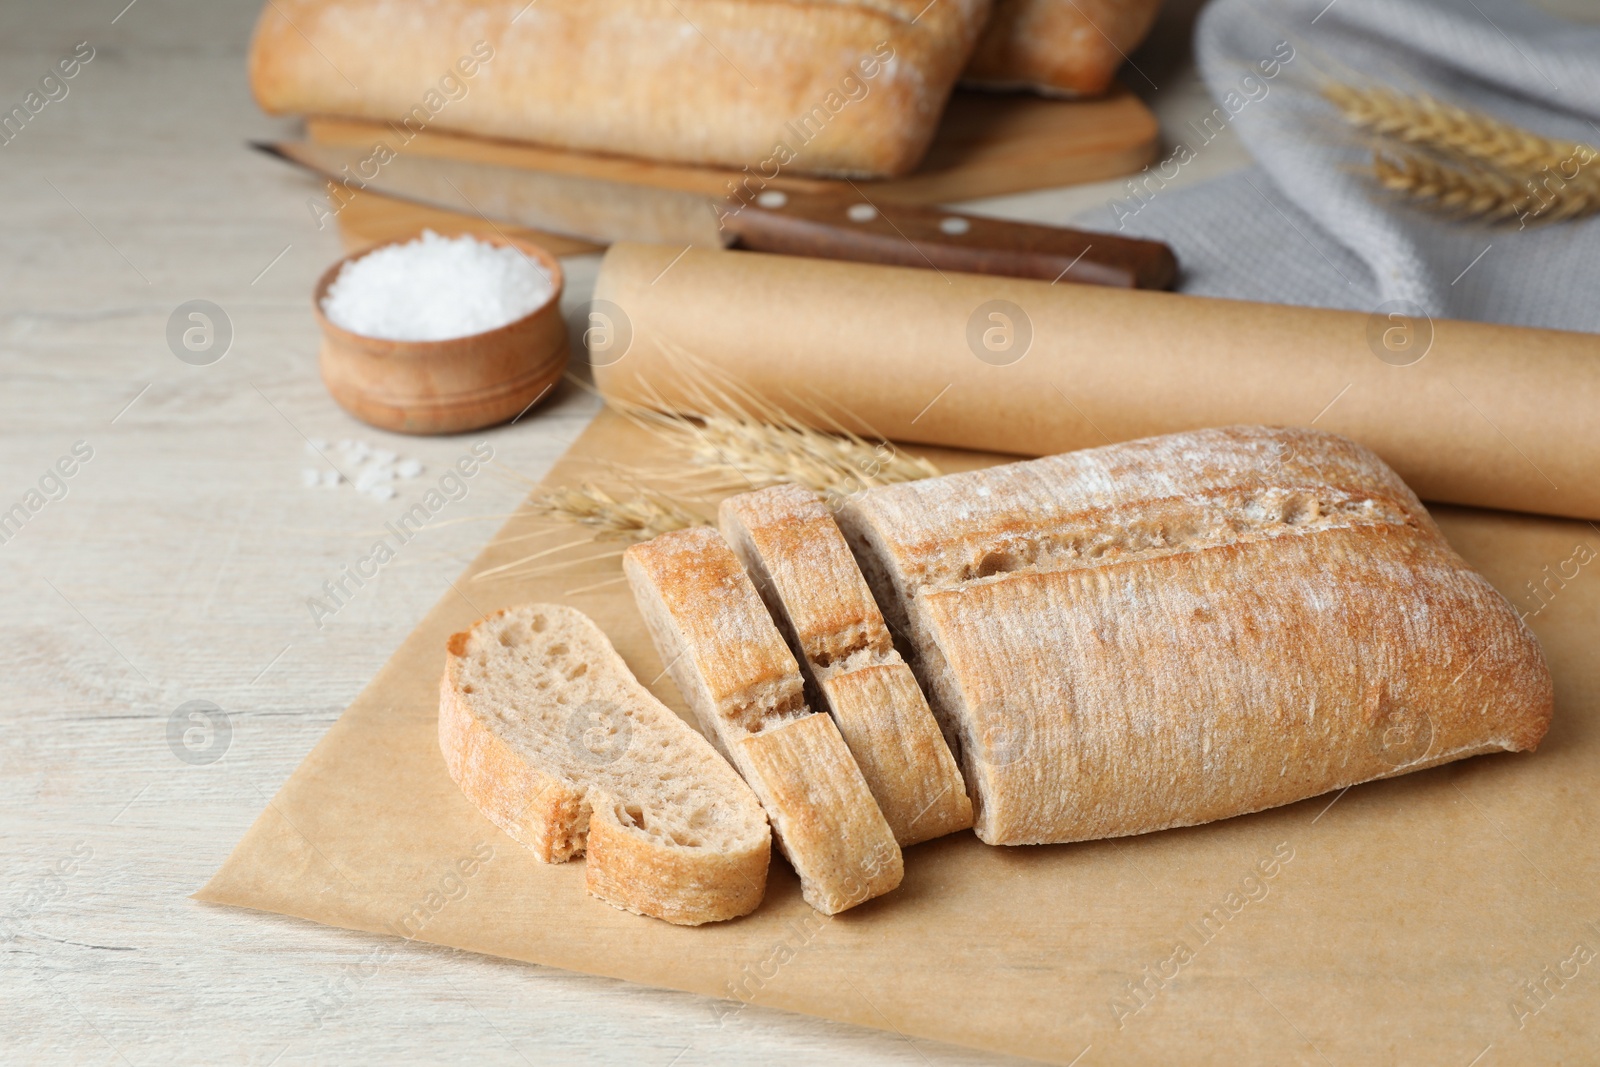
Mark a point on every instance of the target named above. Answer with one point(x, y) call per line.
point(732, 666)
point(549, 734)
point(792, 548)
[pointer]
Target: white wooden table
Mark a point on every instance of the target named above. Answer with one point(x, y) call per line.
point(177, 565)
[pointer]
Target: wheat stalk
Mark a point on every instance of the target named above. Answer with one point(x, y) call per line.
point(638, 517)
point(1424, 120)
point(742, 442)
point(1469, 164)
point(733, 441)
point(739, 453)
point(1478, 192)
point(635, 518)
point(1469, 194)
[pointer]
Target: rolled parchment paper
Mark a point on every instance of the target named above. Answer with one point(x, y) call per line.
point(1467, 413)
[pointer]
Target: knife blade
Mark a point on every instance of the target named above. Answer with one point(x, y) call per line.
point(847, 225)
point(595, 209)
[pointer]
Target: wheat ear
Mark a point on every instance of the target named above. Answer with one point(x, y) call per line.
point(639, 517)
point(1424, 120)
point(636, 518)
point(742, 441)
point(1479, 193)
point(734, 441)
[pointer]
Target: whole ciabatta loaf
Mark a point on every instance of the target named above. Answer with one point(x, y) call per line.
point(549, 734)
point(852, 87)
point(789, 543)
point(727, 658)
point(1058, 47)
point(1190, 627)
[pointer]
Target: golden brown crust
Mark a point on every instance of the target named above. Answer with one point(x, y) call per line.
point(528, 780)
point(1190, 630)
point(793, 551)
point(684, 887)
point(727, 658)
point(825, 819)
point(798, 559)
point(694, 81)
point(885, 720)
point(1069, 47)
point(737, 654)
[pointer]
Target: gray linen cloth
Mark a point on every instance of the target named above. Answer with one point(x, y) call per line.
point(1308, 225)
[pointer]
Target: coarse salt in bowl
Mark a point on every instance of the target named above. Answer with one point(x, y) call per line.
point(434, 288)
point(442, 335)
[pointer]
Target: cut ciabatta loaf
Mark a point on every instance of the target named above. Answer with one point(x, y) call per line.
point(849, 87)
point(548, 733)
point(1190, 627)
point(727, 658)
point(791, 547)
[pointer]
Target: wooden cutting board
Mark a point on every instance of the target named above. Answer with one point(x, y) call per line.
point(988, 145)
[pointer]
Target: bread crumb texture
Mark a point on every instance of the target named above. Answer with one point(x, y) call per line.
point(551, 736)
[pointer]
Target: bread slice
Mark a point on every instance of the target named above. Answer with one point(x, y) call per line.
point(548, 733)
point(1190, 627)
point(1058, 47)
point(734, 670)
point(791, 547)
point(844, 87)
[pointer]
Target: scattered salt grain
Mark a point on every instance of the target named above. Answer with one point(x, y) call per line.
point(370, 471)
point(373, 476)
point(433, 288)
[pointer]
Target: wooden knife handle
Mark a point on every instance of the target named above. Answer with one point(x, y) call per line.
point(849, 226)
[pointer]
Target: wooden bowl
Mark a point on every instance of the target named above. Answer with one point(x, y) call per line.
point(448, 386)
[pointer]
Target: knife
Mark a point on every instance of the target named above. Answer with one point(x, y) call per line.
point(829, 225)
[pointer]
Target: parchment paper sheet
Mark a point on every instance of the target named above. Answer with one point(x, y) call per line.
point(1397, 925)
point(1492, 416)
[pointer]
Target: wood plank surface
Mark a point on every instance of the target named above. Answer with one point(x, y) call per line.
point(178, 566)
